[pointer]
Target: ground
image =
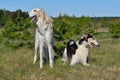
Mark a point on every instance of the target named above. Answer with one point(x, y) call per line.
point(105, 64)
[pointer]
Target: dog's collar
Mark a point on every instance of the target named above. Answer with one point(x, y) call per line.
point(42, 32)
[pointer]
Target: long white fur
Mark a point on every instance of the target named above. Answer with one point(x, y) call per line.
point(81, 53)
point(79, 57)
point(43, 37)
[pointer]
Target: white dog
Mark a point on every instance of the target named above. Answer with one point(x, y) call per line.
point(77, 52)
point(43, 37)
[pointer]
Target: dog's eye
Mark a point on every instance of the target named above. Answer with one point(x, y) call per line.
point(34, 10)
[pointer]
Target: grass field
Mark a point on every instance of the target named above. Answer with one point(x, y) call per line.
point(105, 64)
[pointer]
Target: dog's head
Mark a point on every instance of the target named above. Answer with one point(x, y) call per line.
point(90, 40)
point(37, 14)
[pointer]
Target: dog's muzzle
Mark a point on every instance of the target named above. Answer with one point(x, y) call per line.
point(34, 18)
point(94, 45)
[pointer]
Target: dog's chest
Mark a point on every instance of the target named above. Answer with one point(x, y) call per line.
point(41, 24)
point(82, 51)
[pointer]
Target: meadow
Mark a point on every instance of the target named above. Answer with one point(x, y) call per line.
point(17, 64)
point(17, 48)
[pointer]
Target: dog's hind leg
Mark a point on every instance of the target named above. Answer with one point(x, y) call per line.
point(45, 54)
point(36, 47)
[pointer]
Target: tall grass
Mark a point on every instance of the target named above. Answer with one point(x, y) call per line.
point(17, 64)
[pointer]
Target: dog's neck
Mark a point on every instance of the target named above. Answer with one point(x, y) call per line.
point(84, 44)
point(40, 21)
point(42, 26)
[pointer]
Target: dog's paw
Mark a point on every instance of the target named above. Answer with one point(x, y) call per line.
point(72, 64)
point(34, 62)
point(87, 65)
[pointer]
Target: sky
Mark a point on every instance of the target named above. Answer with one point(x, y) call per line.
point(98, 8)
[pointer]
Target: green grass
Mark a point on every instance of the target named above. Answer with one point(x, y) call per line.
point(17, 64)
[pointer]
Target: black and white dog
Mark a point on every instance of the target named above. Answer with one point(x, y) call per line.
point(77, 52)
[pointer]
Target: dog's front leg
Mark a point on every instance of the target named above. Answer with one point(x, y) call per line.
point(51, 56)
point(84, 59)
point(84, 62)
point(36, 46)
point(41, 54)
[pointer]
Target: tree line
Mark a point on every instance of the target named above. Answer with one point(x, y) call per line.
point(17, 30)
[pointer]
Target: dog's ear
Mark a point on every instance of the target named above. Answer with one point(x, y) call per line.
point(39, 11)
point(49, 21)
point(42, 15)
point(42, 12)
point(89, 36)
point(84, 36)
point(35, 10)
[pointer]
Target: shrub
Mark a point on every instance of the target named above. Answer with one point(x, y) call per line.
point(17, 33)
point(1, 38)
point(115, 29)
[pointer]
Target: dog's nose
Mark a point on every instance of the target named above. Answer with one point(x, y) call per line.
point(98, 45)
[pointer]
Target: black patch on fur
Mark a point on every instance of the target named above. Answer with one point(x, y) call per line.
point(85, 38)
point(71, 48)
point(80, 41)
point(87, 60)
point(89, 36)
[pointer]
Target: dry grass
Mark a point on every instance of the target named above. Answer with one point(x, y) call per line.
point(106, 29)
point(105, 64)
